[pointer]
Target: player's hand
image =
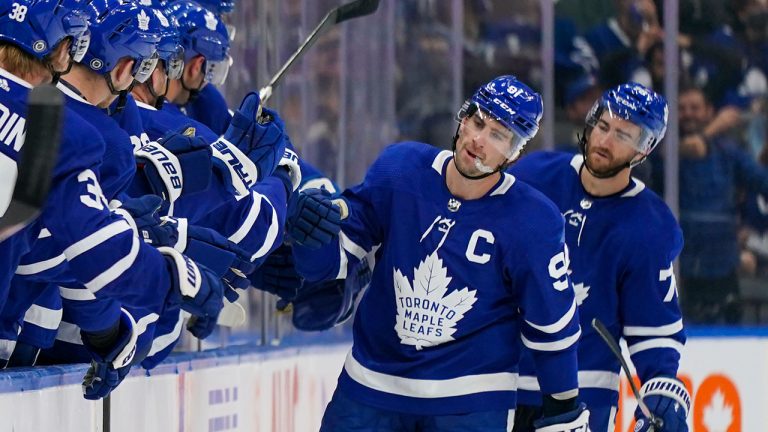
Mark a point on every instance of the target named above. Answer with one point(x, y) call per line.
point(108, 369)
point(263, 143)
point(313, 219)
point(668, 400)
point(278, 276)
point(576, 420)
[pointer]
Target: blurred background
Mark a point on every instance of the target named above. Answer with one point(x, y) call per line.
point(402, 73)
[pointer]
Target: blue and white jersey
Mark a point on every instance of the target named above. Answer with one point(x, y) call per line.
point(210, 108)
point(621, 252)
point(457, 287)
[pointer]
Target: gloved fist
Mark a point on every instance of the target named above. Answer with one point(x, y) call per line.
point(313, 219)
point(195, 288)
point(178, 163)
point(576, 420)
point(669, 402)
point(250, 150)
point(144, 212)
point(108, 370)
point(277, 275)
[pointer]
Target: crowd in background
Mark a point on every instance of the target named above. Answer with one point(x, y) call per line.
point(723, 57)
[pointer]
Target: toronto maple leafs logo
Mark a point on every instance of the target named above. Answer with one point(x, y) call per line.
point(426, 316)
point(210, 21)
point(143, 19)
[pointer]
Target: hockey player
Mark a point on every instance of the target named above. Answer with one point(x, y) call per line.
point(622, 241)
point(101, 248)
point(469, 262)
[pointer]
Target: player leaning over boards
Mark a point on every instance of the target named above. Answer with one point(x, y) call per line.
point(469, 263)
point(622, 241)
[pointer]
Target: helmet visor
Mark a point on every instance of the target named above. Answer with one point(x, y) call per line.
point(216, 71)
point(618, 124)
point(174, 64)
point(144, 68)
point(478, 124)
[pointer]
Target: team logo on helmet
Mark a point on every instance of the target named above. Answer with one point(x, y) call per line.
point(210, 20)
point(143, 20)
point(145, 2)
point(163, 20)
point(39, 46)
point(96, 64)
point(454, 204)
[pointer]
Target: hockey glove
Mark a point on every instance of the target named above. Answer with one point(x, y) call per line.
point(178, 163)
point(323, 305)
point(110, 366)
point(571, 421)
point(144, 213)
point(249, 151)
point(278, 276)
point(196, 289)
point(668, 400)
point(313, 219)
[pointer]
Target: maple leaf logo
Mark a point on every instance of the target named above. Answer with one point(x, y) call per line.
point(210, 21)
point(718, 415)
point(143, 19)
point(581, 291)
point(426, 316)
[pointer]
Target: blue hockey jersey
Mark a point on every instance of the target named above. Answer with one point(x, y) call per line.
point(621, 253)
point(458, 285)
point(210, 108)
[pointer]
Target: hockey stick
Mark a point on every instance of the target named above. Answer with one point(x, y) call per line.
point(38, 158)
point(336, 15)
point(656, 422)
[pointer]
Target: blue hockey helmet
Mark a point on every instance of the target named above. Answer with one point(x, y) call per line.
point(169, 48)
point(638, 105)
point(123, 29)
point(511, 103)
point(37, 26)
point(203, 33)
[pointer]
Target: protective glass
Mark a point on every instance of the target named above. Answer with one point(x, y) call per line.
point(481, 125)
point(216, 72)
point(231, 31)
point(144, 68)
point(620, 128)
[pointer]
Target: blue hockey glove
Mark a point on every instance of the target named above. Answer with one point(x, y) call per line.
point(195, 288)
point(144, 212)
point(108, 369)
point(322, 305)
point(576, 420)
point(277, 275)
point(178, 163)
point(249, 151)
point(313, 218)
point(668, 400)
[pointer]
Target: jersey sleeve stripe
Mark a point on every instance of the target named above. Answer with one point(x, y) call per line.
point(351, 247)
point(116, 270)
point(70, 333)
point(557, 345)
point(40, 266)
point(6, 348)
point(162, 342)
point(425, 388)
point(559, 325)
point(76, 294)
point(272, 232)
point(96, 238)
point(656, 343)
point(253, 214)
point(43, 317)
point(665, 330)
point(144, 322)
point(587, 379)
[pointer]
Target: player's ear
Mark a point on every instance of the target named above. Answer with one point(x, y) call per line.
point(193, 68)
point(121, 74)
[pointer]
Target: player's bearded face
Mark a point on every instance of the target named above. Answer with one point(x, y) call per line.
point(482, 145)
point(610, 144)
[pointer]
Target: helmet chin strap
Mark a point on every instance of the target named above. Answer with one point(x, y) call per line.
point(193, 92)
point(159, 98)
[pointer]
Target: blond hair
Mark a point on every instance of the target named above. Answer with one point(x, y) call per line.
point(18, 62)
